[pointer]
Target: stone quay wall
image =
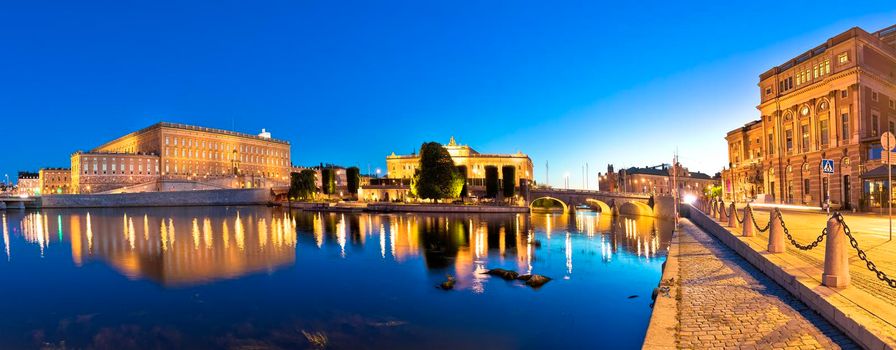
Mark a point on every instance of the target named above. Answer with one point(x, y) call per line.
point(160, 199)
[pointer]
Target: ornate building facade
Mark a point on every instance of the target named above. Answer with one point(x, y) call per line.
point(656, 180)
point(465, 157)
point(178, 152)
point(831, 102)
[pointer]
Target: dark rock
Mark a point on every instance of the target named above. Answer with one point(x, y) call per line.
point(505, 274)
point(448, 284)
point(534, 281)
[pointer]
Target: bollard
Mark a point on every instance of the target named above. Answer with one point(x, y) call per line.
point(776, 243)
point(732, 218)
point(723, 215)
point(748, 222)
point(836, 261)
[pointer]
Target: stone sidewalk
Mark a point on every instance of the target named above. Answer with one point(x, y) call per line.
point(724, 302)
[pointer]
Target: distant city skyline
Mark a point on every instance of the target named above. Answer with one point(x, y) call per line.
point(351, 83)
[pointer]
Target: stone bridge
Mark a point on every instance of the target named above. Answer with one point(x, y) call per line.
point(606, 202)
point(18, 203)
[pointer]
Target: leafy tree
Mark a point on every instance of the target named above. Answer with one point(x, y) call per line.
point(328, 180)
point(713, 191)
point(508, 172)
point(353, 179)
point(462, 170)
point(438, 178)
point(302, 184)
point(491, 181)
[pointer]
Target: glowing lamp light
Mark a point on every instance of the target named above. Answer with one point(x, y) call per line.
point(689, 198)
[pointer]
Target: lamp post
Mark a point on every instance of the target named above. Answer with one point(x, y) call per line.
point(888, 140)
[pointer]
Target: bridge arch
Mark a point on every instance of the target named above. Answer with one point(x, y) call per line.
point(547, 198)
point(601, 205)
point(635, 208)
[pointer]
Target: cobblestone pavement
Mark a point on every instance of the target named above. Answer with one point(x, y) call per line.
point(727, 303)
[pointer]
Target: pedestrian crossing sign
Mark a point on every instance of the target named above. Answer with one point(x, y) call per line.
point(827, 166)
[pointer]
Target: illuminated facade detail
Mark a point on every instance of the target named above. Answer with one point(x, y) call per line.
point(655, 180)
point(178, 152)
point(55, 180)
point(837, 113)
point(403, 166)
point(28, 183)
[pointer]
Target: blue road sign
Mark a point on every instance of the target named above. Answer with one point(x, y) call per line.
point(827, 166)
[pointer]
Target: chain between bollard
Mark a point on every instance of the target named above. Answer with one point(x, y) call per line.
point(862, 255)
point(739, 220)
point(809, 246)
point(757, 225)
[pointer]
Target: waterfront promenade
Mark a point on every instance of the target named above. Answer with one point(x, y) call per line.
point(864, 309)
point(719, 300)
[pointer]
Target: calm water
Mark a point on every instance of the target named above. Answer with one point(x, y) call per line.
point(256, 278)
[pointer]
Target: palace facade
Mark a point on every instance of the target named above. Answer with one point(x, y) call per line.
point(466, 159)
point(401, 168)
point(830, 102)
point(178, 152)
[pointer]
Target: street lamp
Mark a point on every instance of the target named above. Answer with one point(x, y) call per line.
point(377, 172)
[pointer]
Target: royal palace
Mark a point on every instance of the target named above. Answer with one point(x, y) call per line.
point(171, 157)
point(831, 102)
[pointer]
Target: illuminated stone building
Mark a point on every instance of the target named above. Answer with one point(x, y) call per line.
point(467, 160)
point(655, 180)
point(100, 172)
point(28, 183)
point(177, 152)
point(831, 102)
point(55, 180)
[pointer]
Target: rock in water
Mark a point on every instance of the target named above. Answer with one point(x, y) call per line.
point(448, 284)
point(505, 274)
point(534, 281)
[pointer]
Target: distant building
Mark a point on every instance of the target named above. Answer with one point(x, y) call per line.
point(831, 102)
point(55, 180)
point(210, 158)
point(401, 168)
point(655, 180)
point(28, 183)
point(341, 181)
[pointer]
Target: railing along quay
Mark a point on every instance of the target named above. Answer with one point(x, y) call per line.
point(837, 232)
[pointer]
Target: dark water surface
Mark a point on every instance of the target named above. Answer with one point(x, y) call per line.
point(265, 278)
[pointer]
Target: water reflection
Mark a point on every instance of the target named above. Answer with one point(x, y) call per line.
point(236, 266)
point(265, 239)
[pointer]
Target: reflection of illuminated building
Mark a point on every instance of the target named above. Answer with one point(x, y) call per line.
point(173, 250)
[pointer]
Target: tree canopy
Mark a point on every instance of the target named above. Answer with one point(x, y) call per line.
point(508, 172)
point(302, 185)
point(353, 179)
point(437, 178)
point(328, 180)
point(491, 181)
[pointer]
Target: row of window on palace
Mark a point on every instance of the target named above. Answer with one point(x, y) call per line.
point(808, 73)
point(214, 155)
point(217, 146)
point(117, 167)
point(823, 136)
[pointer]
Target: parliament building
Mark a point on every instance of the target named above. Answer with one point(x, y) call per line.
point(831, 102)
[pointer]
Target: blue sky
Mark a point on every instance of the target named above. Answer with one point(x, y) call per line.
point(351, 82)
